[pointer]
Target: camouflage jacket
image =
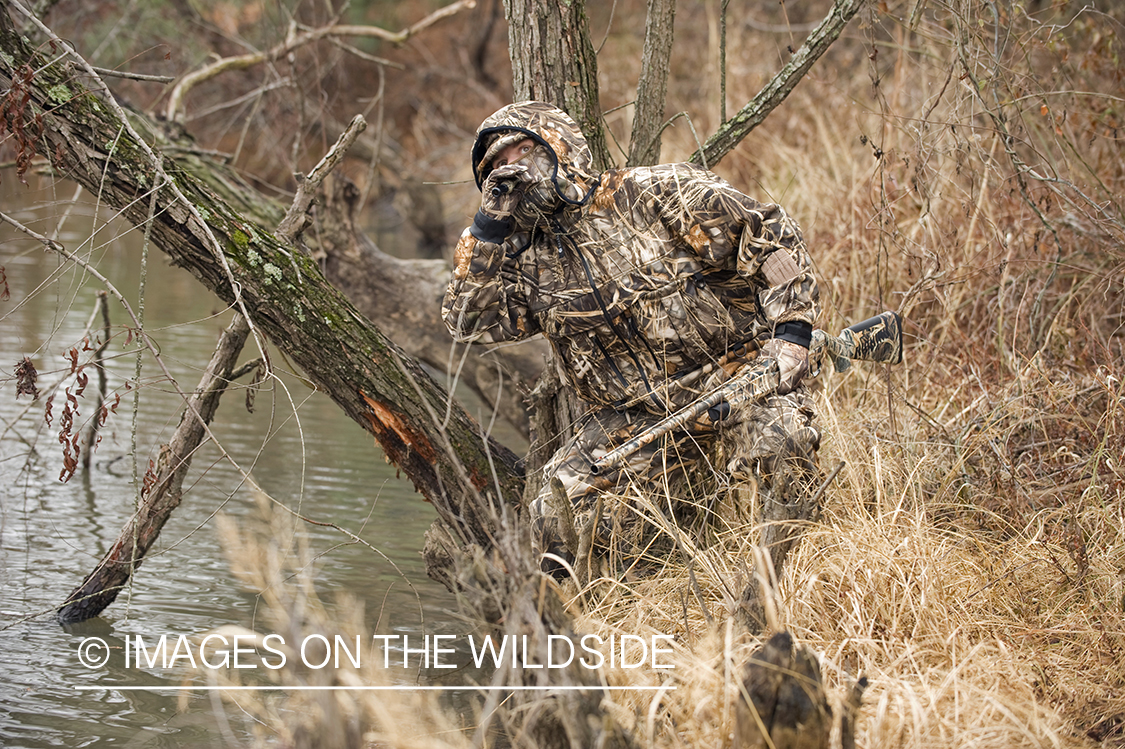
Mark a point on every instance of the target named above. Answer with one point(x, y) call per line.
point(641, 280)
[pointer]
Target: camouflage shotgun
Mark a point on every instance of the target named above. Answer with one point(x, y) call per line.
point(877, 339)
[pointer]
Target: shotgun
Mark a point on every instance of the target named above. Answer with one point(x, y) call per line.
point(877, 339)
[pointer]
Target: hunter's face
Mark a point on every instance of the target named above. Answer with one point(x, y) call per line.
point(513, 153)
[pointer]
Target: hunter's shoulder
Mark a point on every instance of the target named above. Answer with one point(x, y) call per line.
point(659, 173)
point(683, 182)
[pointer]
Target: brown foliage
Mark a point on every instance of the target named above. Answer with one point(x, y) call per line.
point(26, 378)
point(13, 108)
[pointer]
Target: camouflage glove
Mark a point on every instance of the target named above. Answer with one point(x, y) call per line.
point(501, 193)
point(792, 362)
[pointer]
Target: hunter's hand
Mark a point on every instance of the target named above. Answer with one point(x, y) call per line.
point(503, 190)
point(501, 193)
point(792, 362)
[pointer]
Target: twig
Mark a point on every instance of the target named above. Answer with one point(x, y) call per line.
point(695, 588)
point(294, 41)
point(297, 216)
point(133, 76)
point(827, 482)
point(99, 365)
point(377, 149)
point(229, 103)
point(381, 61)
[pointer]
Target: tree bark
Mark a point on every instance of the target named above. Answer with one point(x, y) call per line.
point(648, 112)
point(553, 60)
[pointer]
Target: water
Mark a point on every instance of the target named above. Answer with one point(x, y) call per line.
point(297, 445)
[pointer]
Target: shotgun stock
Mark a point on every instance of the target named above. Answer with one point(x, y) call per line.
point(877, 339)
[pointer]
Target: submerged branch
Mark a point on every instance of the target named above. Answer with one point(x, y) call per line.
point(165, 481)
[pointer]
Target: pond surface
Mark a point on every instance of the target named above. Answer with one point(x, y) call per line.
point(296, 444)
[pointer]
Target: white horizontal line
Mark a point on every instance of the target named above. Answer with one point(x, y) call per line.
point(193, 688)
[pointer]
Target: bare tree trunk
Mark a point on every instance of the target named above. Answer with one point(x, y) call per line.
point(553, 60)
point(648, 114)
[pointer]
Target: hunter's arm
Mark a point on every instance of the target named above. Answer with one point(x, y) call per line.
point(484, 297)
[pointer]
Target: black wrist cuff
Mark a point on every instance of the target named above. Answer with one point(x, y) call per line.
point(794, 331)
point(488, 229)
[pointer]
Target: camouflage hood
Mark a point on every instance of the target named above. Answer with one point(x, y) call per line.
point(568, 162)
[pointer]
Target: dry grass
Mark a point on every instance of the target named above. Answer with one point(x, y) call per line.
point(272, 561)
point(970, 558)
point(971, 634)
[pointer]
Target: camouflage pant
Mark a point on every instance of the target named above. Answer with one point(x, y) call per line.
point(771, 442)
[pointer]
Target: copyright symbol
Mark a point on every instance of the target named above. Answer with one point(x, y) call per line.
point(93, 652)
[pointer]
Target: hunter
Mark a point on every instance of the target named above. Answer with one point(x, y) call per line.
point(653, 285)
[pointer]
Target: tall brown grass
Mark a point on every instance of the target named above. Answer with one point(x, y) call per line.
point(270, 558)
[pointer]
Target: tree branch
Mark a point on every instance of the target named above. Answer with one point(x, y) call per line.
point(297, 215)
point(294, 41)
point(134, 76)
point(731, 133)
point(154, 162)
